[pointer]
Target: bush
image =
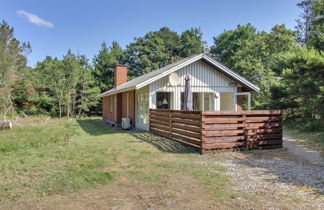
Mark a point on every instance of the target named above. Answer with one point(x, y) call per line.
point(35, 111)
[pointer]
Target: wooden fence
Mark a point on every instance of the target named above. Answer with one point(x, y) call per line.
point(207, 130)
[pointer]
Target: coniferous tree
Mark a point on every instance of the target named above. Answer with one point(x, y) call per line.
point(160, 48)
point(104, 64)
point(310, 28)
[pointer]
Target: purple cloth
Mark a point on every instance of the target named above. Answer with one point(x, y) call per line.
point(187, 104)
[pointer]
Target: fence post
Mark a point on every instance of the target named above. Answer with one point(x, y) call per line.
point(280, 127)
point(244, 129)
point(170, 124)
point(202, 150)
point(150, 120)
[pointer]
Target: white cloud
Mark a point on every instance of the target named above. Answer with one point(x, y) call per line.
point(35, 19)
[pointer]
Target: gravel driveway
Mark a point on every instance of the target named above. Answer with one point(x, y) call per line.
point(287, 178)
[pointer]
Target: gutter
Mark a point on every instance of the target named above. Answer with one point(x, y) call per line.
point(115, 92)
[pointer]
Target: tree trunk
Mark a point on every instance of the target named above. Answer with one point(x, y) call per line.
point(60, 108)
point(68, 105)
point(5, 124)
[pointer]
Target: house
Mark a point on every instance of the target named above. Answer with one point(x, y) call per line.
point(214, 86)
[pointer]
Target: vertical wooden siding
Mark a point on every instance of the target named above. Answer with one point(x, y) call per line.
point(220, 129)
point(203, 78)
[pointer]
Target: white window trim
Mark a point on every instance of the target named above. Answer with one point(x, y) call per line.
point(242, 94)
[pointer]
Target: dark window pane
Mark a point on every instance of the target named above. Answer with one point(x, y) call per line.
point(163, 100)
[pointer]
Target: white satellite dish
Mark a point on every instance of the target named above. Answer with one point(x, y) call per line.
point(174, 79)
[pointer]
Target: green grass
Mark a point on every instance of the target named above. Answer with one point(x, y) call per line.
point(71, 155)
point(315, 138)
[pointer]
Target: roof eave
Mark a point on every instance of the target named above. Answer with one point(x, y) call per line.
point(140, 85)
point(115, 92)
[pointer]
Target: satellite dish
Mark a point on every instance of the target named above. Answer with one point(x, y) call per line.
point(174, 79)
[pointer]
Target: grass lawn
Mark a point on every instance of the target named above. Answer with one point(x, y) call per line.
point(315, 138)
point(51, 163)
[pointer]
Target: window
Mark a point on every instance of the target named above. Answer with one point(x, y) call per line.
point(163, 100)
point(110, 103)
point(200, 101)
point(195, 101)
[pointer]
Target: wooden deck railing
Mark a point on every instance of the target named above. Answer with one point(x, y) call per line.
point(219, 129)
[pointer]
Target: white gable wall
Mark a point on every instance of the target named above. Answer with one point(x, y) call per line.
point(203, 78)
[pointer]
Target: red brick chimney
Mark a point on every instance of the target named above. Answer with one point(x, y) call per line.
point(120, 75)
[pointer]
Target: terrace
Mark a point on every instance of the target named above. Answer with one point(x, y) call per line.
point(215, 130)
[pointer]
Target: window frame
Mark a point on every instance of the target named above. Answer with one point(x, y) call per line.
point(168, 99)
point(110, 104)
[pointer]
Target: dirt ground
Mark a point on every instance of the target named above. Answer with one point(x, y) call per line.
point(175, 193)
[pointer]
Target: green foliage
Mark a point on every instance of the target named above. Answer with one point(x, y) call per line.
point(191, 42)
point(252, 54)
point(301, 87)
point(310, 29)
point(104, 65)
point(58, 87)
point(316, 35)
point(12, 60)
point(160, 48)
point(87, 89)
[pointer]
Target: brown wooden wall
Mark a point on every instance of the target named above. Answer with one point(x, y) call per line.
point(106, 114)
point(220, 129)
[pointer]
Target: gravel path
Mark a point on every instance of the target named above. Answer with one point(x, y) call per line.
point(302, 151)
point(287, 178)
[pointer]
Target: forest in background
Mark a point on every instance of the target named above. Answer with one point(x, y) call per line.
point(288, 66)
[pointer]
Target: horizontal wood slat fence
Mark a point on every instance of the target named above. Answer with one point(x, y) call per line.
point(208, 130)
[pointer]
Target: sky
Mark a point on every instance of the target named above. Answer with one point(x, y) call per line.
point(53, 27)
